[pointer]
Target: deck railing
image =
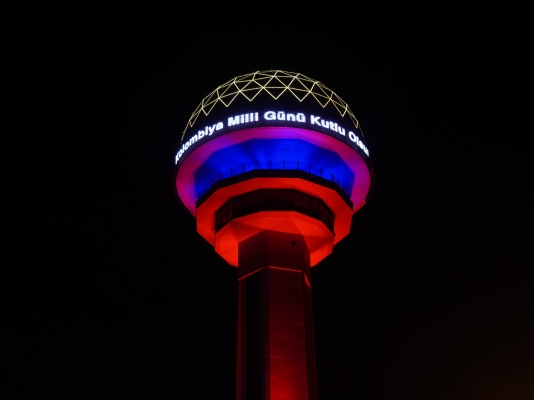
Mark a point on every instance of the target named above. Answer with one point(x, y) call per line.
point(275, 165)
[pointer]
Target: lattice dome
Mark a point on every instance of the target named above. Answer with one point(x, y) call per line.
point(275, 83)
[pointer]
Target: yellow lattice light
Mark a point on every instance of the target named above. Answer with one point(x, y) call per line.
point(275, 83)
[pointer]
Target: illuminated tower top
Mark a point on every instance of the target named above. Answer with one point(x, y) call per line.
point(273, 125)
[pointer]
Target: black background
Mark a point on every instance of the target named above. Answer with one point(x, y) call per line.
point(429, 297)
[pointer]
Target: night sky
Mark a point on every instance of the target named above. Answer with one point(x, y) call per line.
point(430, 296)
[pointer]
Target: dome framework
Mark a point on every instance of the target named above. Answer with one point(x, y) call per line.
point(275, 83)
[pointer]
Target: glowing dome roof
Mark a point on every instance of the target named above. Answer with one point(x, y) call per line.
point(275, 83)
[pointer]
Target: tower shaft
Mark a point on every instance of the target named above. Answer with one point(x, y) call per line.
point(275, 344)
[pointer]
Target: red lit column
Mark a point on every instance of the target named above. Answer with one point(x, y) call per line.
point(275, 344)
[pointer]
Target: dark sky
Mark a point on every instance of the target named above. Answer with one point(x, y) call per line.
point(430, 296)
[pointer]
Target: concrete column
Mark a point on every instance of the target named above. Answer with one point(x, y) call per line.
point(275, 344)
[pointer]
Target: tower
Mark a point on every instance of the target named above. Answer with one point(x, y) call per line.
point(273, 165)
